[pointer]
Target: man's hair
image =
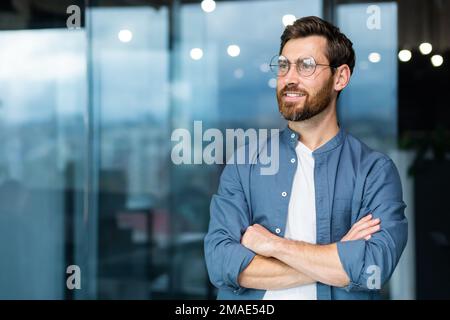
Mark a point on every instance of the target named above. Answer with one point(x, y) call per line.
point(339, 47)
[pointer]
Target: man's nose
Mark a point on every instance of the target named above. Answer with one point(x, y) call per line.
point(292, 77)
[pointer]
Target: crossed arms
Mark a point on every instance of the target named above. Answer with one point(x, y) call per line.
point(241, 255)
point(281, 263)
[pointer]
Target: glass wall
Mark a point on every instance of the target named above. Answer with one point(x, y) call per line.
point(43, 138)
point(368, 107)
point(129, 88)
point(147, 81)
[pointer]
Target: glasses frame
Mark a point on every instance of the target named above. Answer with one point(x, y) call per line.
point(297, 65)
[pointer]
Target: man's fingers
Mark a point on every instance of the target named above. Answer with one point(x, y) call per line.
point(368, 232)
point(367, 224)
point(363, 220)
point(363, 229)
point(366, 218)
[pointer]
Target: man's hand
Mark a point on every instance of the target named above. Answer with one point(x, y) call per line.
point(260, 240)
point(363, 229)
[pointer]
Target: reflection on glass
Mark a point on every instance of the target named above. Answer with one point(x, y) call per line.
point(368, 107)
point(42, 103)
point(153, 214)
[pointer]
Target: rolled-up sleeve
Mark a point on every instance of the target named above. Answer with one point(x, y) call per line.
point(225, 257)
point(361, 259)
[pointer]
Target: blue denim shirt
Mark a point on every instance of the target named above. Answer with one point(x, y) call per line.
point(351, 180)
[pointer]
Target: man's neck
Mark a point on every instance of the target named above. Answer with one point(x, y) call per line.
point(318, 130)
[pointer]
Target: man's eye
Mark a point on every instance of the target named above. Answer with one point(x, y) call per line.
point(307, 65)
point(283, 65)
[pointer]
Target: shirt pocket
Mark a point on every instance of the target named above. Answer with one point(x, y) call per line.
point(340, 218)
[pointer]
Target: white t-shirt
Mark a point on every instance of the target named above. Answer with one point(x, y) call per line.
point(301, 220)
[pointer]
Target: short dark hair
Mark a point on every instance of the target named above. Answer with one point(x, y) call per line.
point(339, 47)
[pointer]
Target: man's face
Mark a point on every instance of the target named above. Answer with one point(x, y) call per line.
point(301, 98)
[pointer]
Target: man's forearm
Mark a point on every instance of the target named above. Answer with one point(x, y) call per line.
point(319, 262)
point(271, 274)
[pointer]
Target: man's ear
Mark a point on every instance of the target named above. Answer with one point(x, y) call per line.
point(342, 77)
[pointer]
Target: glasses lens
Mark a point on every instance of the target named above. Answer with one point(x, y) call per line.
point(306, 66)
point(279, 65)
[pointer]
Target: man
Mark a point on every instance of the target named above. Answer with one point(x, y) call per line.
point(330, 223)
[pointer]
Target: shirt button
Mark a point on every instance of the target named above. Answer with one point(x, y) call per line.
point(284, 194)
point(293, 160)
point(277, 230)
point(293, 135)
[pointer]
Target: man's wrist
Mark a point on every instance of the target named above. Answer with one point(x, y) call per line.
point(279, 247)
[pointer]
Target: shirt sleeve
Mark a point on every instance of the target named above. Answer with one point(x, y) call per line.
point(225, 257)
point(370, 264)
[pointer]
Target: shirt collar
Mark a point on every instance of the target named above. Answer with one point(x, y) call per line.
point(291, 137)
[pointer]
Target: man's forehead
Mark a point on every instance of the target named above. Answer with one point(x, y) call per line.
point(314, 46)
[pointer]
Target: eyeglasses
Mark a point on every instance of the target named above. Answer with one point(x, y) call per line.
point(280, 65)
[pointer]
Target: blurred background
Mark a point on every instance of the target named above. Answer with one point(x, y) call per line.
point(87, 111)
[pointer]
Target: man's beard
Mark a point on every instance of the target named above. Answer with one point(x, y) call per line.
point(313, 105)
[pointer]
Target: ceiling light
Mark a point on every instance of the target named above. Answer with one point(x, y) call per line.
point(437, 60)
point(374, 57)
point(233, 50)
point(288, 19)
point(196, 53)
point(208, 5)
point(404, 55)
point(125, 35)
point(425, 48)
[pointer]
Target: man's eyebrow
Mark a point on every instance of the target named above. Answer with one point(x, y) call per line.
point(298, 57)
point(306, 57)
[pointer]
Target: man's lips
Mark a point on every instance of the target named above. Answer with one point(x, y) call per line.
point(293, 96)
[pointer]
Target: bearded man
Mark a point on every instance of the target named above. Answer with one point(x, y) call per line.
point(330, 223)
